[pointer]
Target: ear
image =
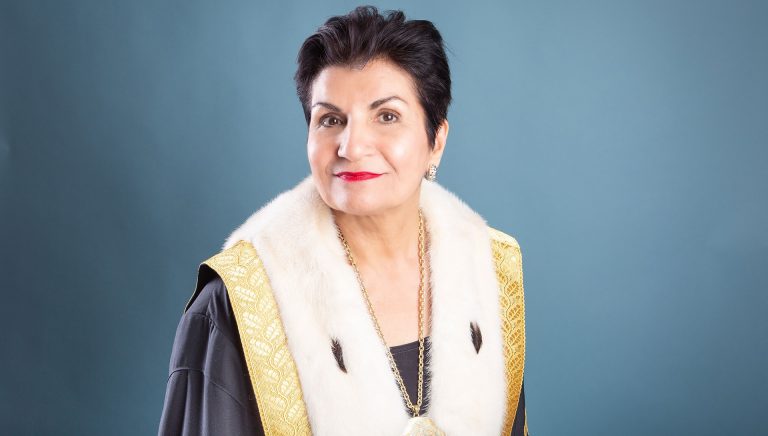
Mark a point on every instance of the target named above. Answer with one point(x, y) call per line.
point(441, 135)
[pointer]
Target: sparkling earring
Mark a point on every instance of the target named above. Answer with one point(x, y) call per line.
point(431, 174)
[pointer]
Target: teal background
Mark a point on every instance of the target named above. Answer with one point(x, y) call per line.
point(623, 143)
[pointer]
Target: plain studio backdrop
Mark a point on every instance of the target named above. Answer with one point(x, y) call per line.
point(623, 143)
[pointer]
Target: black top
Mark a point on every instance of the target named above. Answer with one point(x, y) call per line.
point(407, 360)
point(209, 390)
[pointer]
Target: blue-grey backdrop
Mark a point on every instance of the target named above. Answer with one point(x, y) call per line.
point(624, 144)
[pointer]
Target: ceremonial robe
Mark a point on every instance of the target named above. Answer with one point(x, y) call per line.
point(269, 306)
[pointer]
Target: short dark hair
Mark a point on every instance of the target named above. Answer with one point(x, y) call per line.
point(364, 34)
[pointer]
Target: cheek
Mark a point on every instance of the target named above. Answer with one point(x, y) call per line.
point(312, 153)
point(317, 154)
point(402, 156)
point(408, 154)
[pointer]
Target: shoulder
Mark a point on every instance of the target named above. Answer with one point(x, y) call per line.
point(208, 323)
point(211, 296)
point(503, 240)
point(208, 384)
point(210, 303)
point(507, 256)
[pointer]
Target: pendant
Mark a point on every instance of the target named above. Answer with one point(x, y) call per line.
point(422, 426)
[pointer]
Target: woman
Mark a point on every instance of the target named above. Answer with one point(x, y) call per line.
point(367, 300)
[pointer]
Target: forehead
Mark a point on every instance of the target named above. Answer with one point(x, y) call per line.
point(343, 85)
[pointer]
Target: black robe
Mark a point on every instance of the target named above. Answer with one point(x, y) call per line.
point(209, 390)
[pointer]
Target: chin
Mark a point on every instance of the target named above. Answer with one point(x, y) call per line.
point(356, 203)
point(359, 206)
point(360, 200)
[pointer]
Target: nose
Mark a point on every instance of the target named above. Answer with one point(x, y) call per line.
point(354, 141)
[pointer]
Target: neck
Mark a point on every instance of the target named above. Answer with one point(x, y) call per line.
point(388, 237)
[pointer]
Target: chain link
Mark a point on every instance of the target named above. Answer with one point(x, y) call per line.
point(415, 408)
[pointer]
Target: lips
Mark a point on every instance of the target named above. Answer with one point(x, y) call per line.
point(356, 177)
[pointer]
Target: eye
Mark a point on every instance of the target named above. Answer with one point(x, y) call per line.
point(388, 117)
point(330, 121)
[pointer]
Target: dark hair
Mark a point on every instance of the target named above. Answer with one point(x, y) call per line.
point(363, 35)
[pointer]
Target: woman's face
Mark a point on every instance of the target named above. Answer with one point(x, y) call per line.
point(367, 144)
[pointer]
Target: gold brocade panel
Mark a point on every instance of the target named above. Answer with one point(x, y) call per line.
point(509, 272)
point(270, 365)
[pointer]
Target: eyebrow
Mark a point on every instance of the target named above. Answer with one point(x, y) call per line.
point(373, 105)
point(381, 101)
point(327, 105)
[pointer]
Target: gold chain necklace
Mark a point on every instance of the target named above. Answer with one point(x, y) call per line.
point(415, 408)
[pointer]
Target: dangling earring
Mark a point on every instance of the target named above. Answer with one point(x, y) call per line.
point(431, 174)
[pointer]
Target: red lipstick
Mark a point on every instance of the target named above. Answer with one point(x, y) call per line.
point(356, 177)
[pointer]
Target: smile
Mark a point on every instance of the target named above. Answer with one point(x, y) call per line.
point(356, 177)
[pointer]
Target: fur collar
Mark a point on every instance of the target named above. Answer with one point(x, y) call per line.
point(319, 299)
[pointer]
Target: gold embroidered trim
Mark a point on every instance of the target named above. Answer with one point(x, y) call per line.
point(509, 273)
point(271, 367)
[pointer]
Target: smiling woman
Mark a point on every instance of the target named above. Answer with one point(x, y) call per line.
point(368, 299)
point(366, 123)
